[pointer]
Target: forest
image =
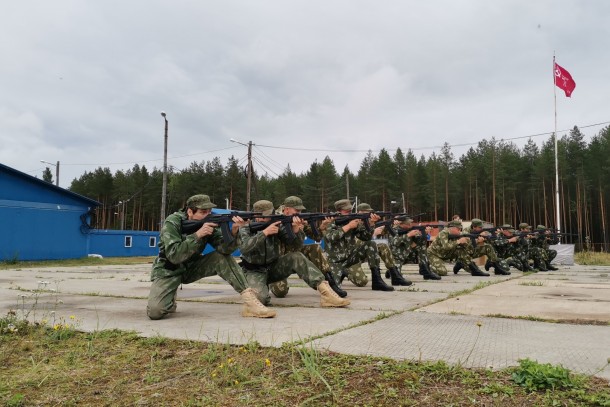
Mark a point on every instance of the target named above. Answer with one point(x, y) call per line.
point(495, 181)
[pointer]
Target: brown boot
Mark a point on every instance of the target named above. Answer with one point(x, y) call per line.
point(329, 298)
point(253, 307)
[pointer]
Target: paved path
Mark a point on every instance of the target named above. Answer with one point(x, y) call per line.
point(461, 319)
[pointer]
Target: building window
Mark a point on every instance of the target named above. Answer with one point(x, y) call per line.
point(152, 241)
point(127, 241)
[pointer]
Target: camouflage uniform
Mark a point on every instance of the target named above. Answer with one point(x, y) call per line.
point(313, 252)
point(486, 249)
point(541, 253)
point(345, 249)
point(264, 264)
point(409, 249)
point(180, 262)
point(443, 249)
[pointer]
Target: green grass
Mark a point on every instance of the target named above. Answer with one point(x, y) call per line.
point(592, 258)
point(532, 283)
point(85, 261)
point(40, 367)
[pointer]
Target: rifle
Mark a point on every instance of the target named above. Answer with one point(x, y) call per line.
point(421, 228)
point(472, 236)
point(342, 220)
point(286, 224)
point(222, 219)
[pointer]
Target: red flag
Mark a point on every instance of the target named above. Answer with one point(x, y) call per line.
point(564, 80)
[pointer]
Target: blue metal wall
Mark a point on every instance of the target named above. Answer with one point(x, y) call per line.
point(39, 220)
point(111, 243)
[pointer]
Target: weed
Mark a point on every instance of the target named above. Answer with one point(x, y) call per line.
point(532, 283)
point(535, 376)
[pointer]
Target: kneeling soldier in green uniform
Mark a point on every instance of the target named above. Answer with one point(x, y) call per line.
point(180, 261)
point(264, 264)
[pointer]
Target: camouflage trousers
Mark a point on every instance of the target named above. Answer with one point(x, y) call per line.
point(314, 254)
point(364, 251)
point(437, 260)
point(290, 263)
point(486, 249)
point(542, 254)
point(414, 254)
point(162, 296)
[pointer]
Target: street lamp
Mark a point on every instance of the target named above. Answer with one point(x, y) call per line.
point(56, 170)
point(164, 188)
point(249, 185)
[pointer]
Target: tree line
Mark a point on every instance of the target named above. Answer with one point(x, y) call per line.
point(495, 181)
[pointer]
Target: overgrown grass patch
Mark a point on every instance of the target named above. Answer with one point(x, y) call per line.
point(113, 367)
point(588, 258)
point(85, 261)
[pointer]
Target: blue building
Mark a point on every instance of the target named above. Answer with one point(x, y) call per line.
point(40, 220)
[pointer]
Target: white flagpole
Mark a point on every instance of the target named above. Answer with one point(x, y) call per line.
point(558, 218)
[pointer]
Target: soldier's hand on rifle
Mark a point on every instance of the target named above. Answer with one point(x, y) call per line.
point(206, 229)
point(272, 229)
point(413, 233)
point(513, 239)
point(324, 223)
point(378, 231)
point(352, 224)
point(297, 224)
point(463, 240)
point(374, 218)
point(237, 223)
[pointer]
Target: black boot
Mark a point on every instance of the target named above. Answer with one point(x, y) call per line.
point(476, 271)
point(424, 270)
point(527, 267)
point(387, 273)
point(458, 266)
point(378, 283)
point(515, 264)
point(488, 265)
point(550, 266)
point(498, 269)
point(343, 276)
point(333, 284)
point(540, 265)
point(397, 278)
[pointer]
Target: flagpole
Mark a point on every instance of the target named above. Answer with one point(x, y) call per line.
point(557, 217)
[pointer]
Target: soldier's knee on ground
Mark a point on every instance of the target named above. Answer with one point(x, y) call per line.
point(279, 288)
point(356, 275)
point(155, 312)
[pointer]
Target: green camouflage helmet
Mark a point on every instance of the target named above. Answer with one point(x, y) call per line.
point(364, 207)
point(541, 227)
point(266, 207)
point(294, 202)
point(199, 202)
point(476, 223)
point(343, 205)
point(404, 220)
point(523, 225)
point(455, 224)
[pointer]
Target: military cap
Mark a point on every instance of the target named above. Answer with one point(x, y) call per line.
point(364, 207)
point(476, 223)
point(199, 202)
point(294, 202)
point(508, 227)
point(523, 225)
point(404, 219)
point(455, 224)
point(541, 227)
point(343, 205)
point(266, 207)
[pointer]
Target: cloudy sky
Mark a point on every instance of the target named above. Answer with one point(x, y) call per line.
point(83, 82)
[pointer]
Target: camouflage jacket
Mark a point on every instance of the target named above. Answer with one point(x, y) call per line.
point(177, 250)
point(261, 250)
point(442, 246)
point(339, 244)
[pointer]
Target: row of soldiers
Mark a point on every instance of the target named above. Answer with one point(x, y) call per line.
point(271, 251)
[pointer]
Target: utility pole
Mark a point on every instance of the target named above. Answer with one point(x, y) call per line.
point(56, 170)
point(164, 187)
point(249, 186)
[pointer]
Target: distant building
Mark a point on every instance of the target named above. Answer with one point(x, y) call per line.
point(41, 221)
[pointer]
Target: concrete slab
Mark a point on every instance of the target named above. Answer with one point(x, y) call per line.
point(379, 323)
